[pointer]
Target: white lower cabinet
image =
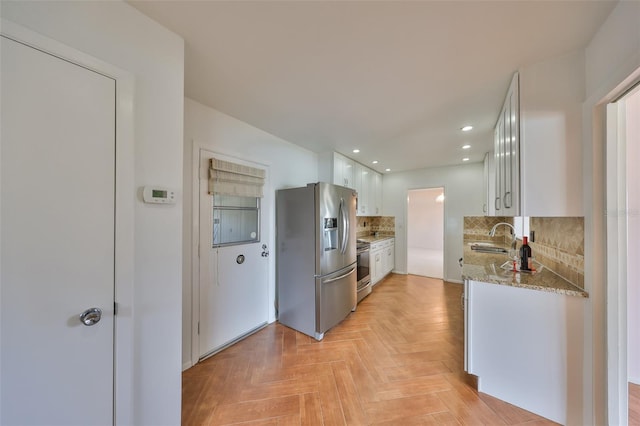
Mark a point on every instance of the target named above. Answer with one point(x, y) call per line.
point(525, 346)
point(382, 259)
point(388, 259)
point(376, 266)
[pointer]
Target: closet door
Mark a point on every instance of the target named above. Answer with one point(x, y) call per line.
point(57, 252)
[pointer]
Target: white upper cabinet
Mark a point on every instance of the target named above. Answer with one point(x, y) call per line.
point(362, 187)
point(551, 96)
point(337, 169)
point(340, 170)
point(344, 171)
point(537, 141)
point(489, 179)
point(506, 200)
point(376, 194)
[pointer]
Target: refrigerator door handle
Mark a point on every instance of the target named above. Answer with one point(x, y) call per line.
point(340, 277)
point(342, 225)
point(347, 229)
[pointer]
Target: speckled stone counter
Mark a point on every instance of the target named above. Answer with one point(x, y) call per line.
point(486, 267)
point(373, 239)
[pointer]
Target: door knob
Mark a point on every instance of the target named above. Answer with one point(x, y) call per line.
point(91, 316)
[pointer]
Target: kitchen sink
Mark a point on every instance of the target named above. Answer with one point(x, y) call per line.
point(488, 248)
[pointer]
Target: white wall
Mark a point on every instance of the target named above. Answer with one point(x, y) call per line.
point(551, 96)
point(425, 219)
point(463, 188)
point(289, 165)
point(633, 233)
point(117, 34)
point(610, 58)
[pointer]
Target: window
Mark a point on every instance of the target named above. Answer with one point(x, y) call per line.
point(236, 220)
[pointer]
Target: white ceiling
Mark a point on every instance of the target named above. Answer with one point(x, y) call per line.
point(396, 79)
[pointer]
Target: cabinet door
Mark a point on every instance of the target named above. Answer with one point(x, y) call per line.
point(499, 164)
point(365, 174)
point(511, 198)
point(368, 183)
point(338, 169)
point(376, 194)
point(507, 190)
point(389, 258)
point(343, 171)
point(348, 173)
point(507, 155)
point(358, 187)
point(376, 269)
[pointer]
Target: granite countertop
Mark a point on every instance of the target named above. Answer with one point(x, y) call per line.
point(485, 267)
point(374, 239)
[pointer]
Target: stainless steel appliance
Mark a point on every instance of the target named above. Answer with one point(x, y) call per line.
point(316, 256)
point(364, 272)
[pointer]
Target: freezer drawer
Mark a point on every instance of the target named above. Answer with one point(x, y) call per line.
point(335, 298)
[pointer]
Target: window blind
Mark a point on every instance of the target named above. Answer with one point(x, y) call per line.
point(227, 178)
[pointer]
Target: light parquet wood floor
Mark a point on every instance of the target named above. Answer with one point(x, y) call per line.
point(634, 404)
point(397, 360)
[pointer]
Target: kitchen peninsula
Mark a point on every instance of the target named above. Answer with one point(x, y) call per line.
point(523, 331)
point(486, 267)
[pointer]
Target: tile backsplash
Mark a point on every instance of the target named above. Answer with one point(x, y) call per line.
point(368, 225)
point(559, 245)
point(476, 228)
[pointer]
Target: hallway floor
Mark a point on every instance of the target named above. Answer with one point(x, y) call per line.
point(634, 404)
point(425, 262)
point(397, 360)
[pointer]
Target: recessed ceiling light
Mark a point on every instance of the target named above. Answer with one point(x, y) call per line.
point(374, 162)
point(466, 128)
point(466, 146)
point(387, 170)
point(355, 151)
point(465, 159)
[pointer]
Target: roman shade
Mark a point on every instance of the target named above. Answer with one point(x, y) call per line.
point(227, 178)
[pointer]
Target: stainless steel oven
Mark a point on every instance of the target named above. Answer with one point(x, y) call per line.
point(363, 274)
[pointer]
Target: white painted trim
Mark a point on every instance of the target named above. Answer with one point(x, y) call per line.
point(595, 346)
point(617, 395)
point(616, 290)
point(124, 214)
point(195, 244)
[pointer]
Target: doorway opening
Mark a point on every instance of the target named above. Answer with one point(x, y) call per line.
point(623, 247)
point(425, 232)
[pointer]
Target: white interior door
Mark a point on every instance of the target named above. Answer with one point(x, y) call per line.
point(57, 251)
point(233, 298)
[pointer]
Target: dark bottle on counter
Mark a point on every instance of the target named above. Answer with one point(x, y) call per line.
point(525, 255)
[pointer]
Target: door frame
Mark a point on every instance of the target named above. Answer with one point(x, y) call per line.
point(617, 257)
point(265, 212)
point(123, 356)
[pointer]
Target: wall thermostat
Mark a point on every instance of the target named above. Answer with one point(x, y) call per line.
point(157, 195)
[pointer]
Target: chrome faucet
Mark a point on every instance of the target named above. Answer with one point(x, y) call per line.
point(492, 233)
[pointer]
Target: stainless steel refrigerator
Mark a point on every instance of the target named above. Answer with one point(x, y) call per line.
point(316, 256)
